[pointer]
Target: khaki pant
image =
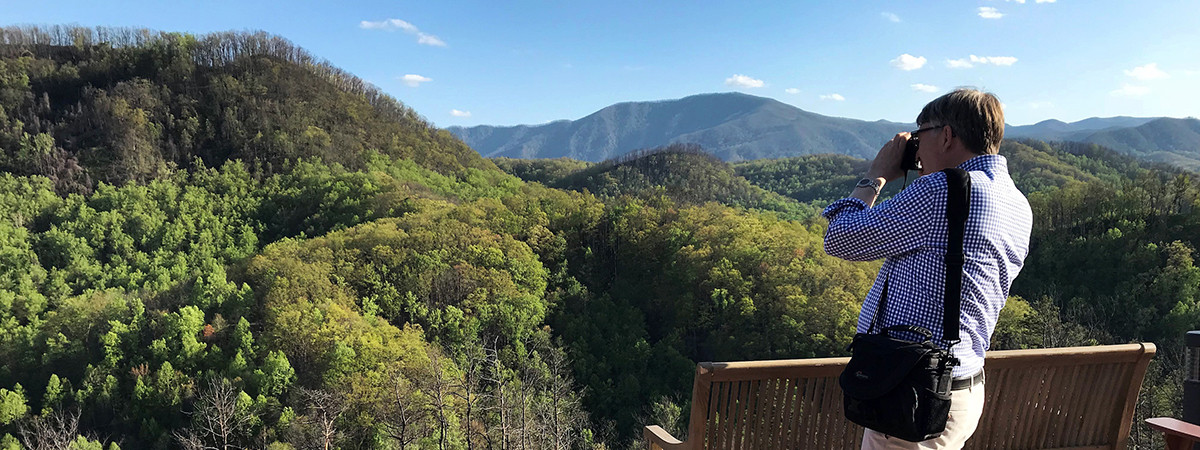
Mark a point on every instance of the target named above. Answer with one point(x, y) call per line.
point(966, 405)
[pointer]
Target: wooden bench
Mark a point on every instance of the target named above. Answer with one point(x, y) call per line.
point(1077, 398)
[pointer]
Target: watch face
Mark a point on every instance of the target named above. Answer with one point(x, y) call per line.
point(869, 183)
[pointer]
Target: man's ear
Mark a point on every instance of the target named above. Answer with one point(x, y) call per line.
point(945, 139)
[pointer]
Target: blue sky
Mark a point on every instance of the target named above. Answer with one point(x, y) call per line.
point(529, 62)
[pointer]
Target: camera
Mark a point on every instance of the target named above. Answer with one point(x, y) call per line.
point(909, 161)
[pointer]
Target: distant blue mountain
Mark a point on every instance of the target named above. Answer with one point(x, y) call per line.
point(737, 127)
point(732, 126)
point(1057, 130)
point(1159, 139)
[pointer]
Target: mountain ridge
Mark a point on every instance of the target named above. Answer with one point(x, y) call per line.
point(732, 126)
point(736, 127)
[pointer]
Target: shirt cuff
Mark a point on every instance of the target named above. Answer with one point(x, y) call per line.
point(837, 207)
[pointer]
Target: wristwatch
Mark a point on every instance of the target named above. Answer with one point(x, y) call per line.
point(869, 183)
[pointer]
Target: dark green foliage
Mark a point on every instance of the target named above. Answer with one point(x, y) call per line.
point(545, 171)
point(815, 179)
point(683, 172)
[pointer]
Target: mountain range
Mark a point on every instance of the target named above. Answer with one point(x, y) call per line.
point(732, 126)
point(737, 127)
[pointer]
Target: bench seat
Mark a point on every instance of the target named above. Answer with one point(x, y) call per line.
point(1077, 398)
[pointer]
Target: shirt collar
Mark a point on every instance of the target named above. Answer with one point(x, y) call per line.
point(986, 163)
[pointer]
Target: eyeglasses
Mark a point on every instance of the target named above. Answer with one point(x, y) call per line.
point(917, 131)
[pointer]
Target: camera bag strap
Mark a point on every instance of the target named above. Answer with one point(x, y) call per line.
point(958, 205)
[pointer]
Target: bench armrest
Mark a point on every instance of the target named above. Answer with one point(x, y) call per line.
point(1178, 434)
point(658, 438)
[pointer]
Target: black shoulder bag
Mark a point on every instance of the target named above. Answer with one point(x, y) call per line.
point(902, 388)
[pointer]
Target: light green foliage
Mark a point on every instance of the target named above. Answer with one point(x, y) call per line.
point(275, 375)
point(83, 443)
point(432, 268)
point(12, 405)
point(56, 392)
point(181, 331)
point(10, 442)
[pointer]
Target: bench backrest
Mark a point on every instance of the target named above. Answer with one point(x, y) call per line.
point(1061, 398)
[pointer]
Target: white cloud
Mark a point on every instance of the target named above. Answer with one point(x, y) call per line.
point(390, 24)
point(959, 63)
point(792, 90)
point(1045, 1)
point(743, 81)
point(414, 80)
point(891, 17)
point(1018, 1)
point(1147, 72)
point(1130, 90)
point(988, 12)
point(994, 60)
point(835, 97)
point(924, 88)
point(967, 63)
point(1040, 105)
point(429, 39)
point(423, 38)
point(908, 62)
point(457, 113)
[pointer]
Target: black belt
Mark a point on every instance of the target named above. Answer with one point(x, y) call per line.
point(961, 383)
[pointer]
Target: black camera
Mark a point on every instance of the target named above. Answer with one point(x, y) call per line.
point(909, 161)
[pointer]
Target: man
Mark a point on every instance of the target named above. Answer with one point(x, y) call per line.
point(961, 129)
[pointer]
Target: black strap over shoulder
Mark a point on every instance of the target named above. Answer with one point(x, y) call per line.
point(958, 207)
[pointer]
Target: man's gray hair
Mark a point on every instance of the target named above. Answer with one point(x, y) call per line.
point(974, 116)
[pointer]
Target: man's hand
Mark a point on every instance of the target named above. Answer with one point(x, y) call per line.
point(887, 163)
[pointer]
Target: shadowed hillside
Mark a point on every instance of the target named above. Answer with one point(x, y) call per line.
point(1172, 141)
point(685, 173)
point(85, 105)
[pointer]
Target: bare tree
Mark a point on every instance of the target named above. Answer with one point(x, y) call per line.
point(438, 387)
point(466, 388)
point(496, 396)
point(403, 418)
point(323, 409)
point(560, 413)
point(54, 431)
point(218, 422)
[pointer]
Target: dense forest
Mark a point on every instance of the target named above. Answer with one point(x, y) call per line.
point(221, 241)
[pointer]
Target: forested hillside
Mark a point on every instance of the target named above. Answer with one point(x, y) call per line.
point(1112, 257)
point(292, 272)
point(82, 106)
point(216, 241)
point(1034, 166)
point(686, 173)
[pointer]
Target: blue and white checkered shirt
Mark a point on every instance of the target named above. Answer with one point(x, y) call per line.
point(910, 230)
